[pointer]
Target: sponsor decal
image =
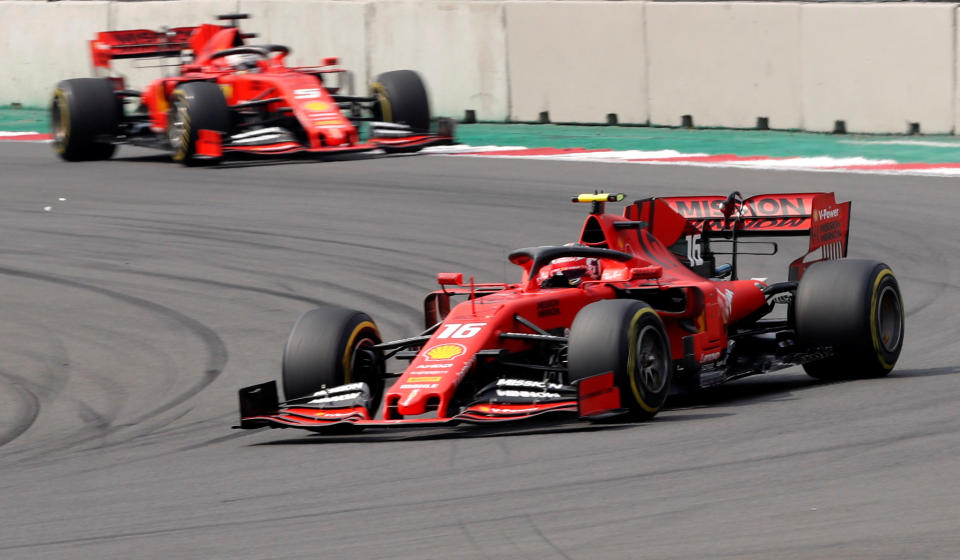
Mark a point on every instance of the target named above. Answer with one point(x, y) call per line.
point(433, 366)
point(146, 39)
point(710, 357)
point(765, 223)
point(340, 389)
point(826, 214)
point(499, 410)
point(306, 93)
point(335, 398)
point(351, 391)
point(527, 394)
point(445, 351)
point(829, 227)
point(334, 414)
point(548, 308)
point(432, 379)
point(316, 106)
point(768, 206)
point(419, 386)
point(528, 383)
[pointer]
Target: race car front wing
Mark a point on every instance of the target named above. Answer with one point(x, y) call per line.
point(592, 398)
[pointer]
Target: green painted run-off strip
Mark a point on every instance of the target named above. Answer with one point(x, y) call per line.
point(928, 149)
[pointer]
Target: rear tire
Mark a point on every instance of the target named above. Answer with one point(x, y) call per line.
point(195, 106)
point(855, 307)
point(402, 98)
point(322, 352)
point(84, 112)
point(628, 338)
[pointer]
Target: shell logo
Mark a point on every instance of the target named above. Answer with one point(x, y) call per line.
point(445, 351)
point(316, 106)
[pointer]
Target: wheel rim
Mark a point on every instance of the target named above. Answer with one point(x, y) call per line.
point(176, 125)
point(362, 343)
point(651, 368)
point(889, 319)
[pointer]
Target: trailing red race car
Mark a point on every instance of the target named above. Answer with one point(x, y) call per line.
point(230, 97)
point(606, 326)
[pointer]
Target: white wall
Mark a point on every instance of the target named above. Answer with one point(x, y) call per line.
point(42, 43)
point(458, 47)
point(876, 66)
point(725, 64)
point(577, 60)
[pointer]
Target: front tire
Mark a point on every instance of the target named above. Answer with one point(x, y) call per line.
point(402, 98)
point(84, 112)
point(195, 106)
point(322, 351)
point(628, 338)
point(855, 307)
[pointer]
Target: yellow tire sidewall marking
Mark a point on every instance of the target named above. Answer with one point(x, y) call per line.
point(386, 111)
point(874, 335)
point(63, 105)
point(632, 334)
point(348, 354)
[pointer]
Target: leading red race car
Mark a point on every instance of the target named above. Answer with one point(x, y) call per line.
point(230, 97)
point(606, 326)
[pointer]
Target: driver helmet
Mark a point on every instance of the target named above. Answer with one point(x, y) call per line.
point(569, 272)
point(243, 61)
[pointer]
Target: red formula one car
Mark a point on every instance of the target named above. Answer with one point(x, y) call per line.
point(606, 326)
point(230, 97)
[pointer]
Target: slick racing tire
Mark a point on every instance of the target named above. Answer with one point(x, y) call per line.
point(628, 338)
point(322, 351)
point(402, 98)
point(854, 307)
point(195, 106)
point(84, 114)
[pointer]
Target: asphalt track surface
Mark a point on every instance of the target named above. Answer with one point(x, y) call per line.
point(134, 309)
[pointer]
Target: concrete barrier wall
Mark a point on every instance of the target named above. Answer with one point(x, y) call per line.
point(877, 67)
point(458, 47)
point(579, 61)
point(42, 43)
point(724, 64)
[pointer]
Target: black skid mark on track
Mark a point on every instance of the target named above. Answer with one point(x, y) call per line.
point(216, 349)
point(192, 230)
point(228, 285)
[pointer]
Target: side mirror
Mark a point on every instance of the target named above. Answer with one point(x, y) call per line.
point(450, 278)
point(329, 61)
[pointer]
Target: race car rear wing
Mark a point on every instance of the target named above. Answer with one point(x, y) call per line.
point(138, 43)
point(817, 215)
